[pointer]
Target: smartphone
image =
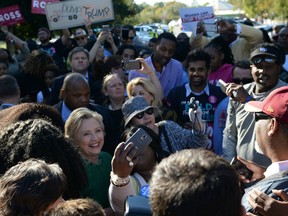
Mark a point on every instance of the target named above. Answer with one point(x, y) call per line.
point(222, 85)
point(223, 88)
point(131, 65)
point(125, 33)
point(140, 139)
point(105, 28)
point(211, 27)
point(241, 168)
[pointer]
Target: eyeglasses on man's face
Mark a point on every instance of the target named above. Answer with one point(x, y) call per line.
point(259, 59)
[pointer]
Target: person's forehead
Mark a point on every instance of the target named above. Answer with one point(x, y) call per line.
point(42, 32)
point(128, 50)
point(198, 63)
point(77, 86)
point(167, 42)
point(80, 53)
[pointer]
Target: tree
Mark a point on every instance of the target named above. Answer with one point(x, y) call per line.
point(266, 9)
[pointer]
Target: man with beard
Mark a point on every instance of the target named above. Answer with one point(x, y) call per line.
point(239, 133)
point(168, 70)
point(54, 49)
point(208, 95)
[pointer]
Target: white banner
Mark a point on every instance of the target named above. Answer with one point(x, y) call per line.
point(191, 16)
point(68, 14)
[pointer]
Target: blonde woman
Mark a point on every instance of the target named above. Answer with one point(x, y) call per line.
point(141, 86)
point(144, 87)
point(85, 129)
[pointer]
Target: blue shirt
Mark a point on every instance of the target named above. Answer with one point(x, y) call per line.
point(169, 77)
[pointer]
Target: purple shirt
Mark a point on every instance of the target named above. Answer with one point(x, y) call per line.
point(170, 77)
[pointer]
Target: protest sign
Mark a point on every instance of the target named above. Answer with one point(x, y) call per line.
point(191, 16)
point(74, 13)
point(10, 16)
point(38, 6)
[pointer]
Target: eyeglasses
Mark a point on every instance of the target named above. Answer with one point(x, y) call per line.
point(261, 116)
point(131, 38)
point(259, 59)
point(243, 81)
point(80, 38)
point(149, 111)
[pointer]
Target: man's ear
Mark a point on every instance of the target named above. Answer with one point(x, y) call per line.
point(62, 93)
point(273, 127)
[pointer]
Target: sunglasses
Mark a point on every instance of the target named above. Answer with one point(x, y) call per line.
point(80, 38)
point(131, 38)
point(259, 59)
point(261, 116)
point(243, 81)
point(149, 111)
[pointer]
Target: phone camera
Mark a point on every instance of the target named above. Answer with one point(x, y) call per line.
point(143, 137)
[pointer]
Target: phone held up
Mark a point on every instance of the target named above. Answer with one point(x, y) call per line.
point(131, 65)
point(241, 168)
point(105, 28)
point(223, 88)
point(125, 33)
point(141, 139)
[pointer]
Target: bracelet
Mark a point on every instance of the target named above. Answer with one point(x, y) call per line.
point(118, 181)
point(248, 98)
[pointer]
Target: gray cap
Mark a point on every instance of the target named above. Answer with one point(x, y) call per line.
point(134, 106)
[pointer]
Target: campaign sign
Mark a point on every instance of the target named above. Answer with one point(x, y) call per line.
point(10, 16)
point(191, 16)
point(38, 6)
point(68, 14)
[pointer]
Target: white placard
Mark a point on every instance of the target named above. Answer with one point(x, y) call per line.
point(68, 14)
point(191, 16)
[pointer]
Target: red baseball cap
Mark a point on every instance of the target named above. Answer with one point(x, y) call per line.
point(275, 105)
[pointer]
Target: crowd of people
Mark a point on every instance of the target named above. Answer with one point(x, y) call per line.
point(67, 108)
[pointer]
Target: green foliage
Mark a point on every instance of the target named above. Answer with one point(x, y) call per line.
point(265, 8)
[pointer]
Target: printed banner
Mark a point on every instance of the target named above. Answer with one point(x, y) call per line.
point(38, 6)
point(74, 13)
point(10, 16)
point(191, 16)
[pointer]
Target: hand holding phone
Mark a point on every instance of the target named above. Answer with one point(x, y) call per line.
point(223, 86)
point(125, 33)
point(141, 139)
point(131, 65)
point(105, 28)
point(241, 168)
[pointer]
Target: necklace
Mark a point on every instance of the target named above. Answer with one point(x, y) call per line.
point(88, 162)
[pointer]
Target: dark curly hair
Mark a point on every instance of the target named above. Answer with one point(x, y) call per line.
point(36, 61)
point(25, 111)
point(37, 138)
